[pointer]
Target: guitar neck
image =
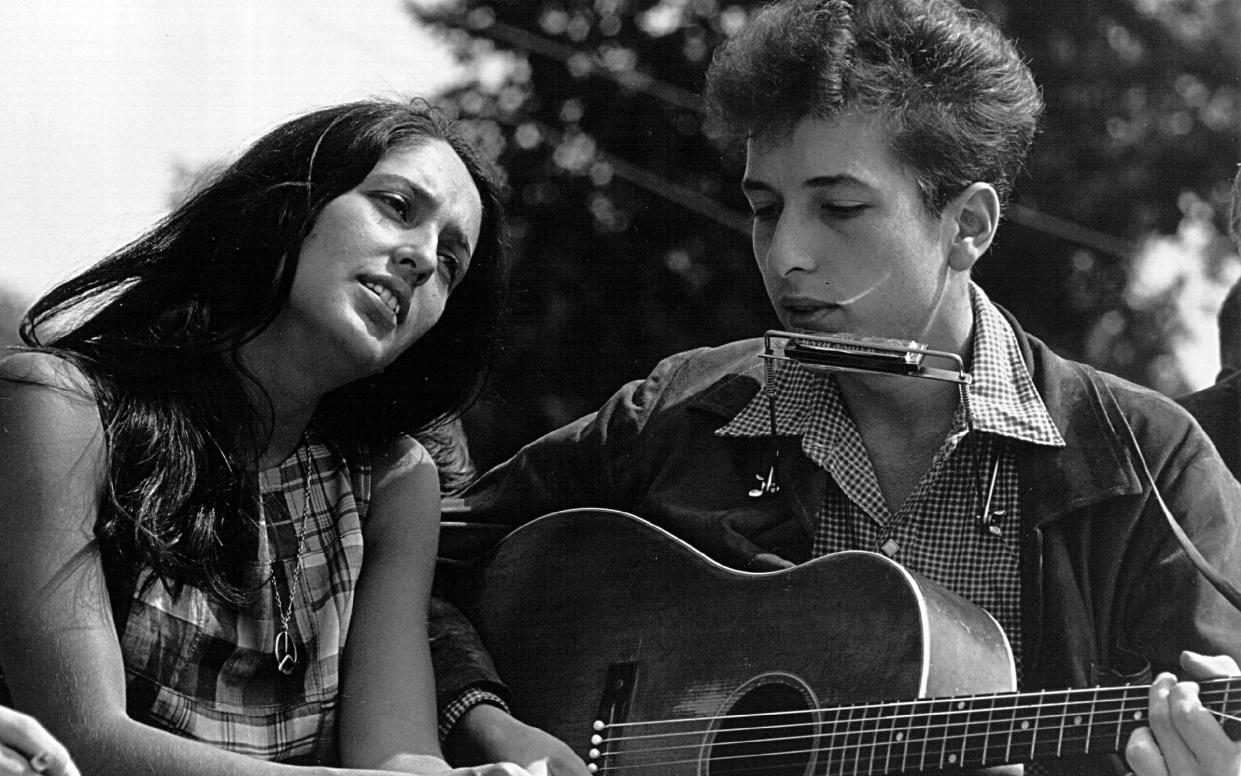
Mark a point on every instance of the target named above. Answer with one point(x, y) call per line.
point(985, 730)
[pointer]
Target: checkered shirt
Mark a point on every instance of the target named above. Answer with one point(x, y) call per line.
point(211, 668)
point(465, 700)
point(936, 532)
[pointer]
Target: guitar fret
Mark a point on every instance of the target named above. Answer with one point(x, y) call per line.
point(887, 734)
point(867, 734)
point(907, 714)
point(831, 724)
point(941, 716)
point(964, 727)
point(1007, 722)
point(1064, 716)
point(1094, 707)
point(988, 725)
point(926, 737)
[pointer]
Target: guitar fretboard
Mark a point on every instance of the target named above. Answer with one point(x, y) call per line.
point(977, 731)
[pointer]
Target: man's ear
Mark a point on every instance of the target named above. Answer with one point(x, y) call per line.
point(975, 214)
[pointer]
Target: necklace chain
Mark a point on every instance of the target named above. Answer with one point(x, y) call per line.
point(284, 647)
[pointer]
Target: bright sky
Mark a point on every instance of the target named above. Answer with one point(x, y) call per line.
point(100, 99)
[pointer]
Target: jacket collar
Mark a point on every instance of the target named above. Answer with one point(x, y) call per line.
point(1095, 463)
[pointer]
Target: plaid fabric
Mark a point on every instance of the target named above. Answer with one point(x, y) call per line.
point(465, 700)
point(936, 532)
point(206, 671)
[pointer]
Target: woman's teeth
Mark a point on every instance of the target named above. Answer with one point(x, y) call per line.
point(385, 296)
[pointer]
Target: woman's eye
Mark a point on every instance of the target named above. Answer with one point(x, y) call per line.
point(452, 265)
point(396, 203)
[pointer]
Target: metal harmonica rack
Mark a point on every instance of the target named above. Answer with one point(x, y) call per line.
point(869, 355)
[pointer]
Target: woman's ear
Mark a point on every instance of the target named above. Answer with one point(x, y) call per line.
point(975, 214)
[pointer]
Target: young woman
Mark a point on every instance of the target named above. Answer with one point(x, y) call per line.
point(219, 533)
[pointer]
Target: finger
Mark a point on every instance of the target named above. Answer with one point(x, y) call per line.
point(567, 765)
point(1179, 759)
point(501, 769)
point(1143, 755)
point(1204, 736)
point(539, 767)
point(766, 561)
point(41, 751)
point(1203, 667)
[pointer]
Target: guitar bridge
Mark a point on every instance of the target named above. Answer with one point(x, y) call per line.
point(613, 710)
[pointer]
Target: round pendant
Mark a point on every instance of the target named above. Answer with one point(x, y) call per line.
point(286, 653)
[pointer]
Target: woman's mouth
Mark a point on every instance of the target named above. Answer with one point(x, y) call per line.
point(386, 297)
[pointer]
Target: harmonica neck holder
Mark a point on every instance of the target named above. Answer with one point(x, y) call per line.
point(867, 355)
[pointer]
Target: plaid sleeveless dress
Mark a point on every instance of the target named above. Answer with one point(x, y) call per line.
point(206, 671)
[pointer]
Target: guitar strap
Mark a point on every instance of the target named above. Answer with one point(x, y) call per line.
point(1225, 587)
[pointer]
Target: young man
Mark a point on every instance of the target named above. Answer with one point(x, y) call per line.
point(1218, 407)
point(882, 138)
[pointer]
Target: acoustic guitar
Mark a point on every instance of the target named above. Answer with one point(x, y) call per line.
point(647, 657)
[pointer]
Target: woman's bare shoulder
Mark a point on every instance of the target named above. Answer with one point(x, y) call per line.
point(43, 368)
point(38, 387)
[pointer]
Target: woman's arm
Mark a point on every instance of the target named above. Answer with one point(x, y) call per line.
point(387, 690)
point(388, 714)
point(58, 645)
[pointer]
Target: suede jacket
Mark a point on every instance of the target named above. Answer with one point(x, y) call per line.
point(1108, 594)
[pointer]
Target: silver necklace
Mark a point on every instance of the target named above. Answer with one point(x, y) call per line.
point(285, 647)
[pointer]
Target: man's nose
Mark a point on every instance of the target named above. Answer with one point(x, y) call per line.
point(792, 247)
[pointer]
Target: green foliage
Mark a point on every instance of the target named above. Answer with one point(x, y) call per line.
point(629, 226)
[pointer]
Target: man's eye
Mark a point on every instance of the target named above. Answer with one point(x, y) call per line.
point(843, 210)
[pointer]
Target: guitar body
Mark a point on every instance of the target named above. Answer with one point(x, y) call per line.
point(598, 615)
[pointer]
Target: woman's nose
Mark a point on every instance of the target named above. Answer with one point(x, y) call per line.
point(416, 261)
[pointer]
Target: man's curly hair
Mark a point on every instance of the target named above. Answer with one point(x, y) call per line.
point(961, 103)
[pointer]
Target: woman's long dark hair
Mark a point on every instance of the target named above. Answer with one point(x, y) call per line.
point(156, 327)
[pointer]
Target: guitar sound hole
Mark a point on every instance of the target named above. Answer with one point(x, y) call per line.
point(776, 744)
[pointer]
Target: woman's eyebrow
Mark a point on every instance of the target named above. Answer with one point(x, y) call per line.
point(454, 234)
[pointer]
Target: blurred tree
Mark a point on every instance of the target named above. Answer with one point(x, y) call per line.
point(627, 216)
point(13, 304)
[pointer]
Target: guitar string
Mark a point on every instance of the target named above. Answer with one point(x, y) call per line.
point(1004, 702)
point(908, 736)
point(864, 748)
point(856, 754)
point(1071, 735)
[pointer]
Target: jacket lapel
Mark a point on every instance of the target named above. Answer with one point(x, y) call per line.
point(803, 485)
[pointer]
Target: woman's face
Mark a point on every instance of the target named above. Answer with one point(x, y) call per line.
point(376, 270)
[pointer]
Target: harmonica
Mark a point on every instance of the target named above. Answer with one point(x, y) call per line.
point(854, 353)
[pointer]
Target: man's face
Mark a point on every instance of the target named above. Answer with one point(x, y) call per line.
point(841, 235)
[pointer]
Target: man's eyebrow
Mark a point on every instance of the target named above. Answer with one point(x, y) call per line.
point(817, 182)
point(830, 181)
